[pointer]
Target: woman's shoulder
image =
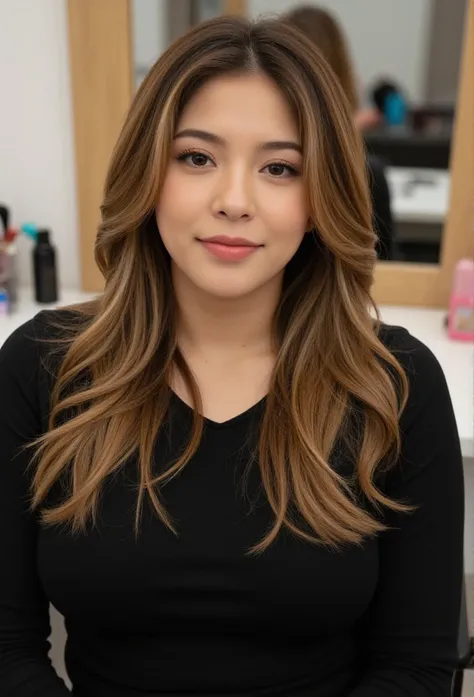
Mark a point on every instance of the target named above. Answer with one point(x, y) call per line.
point(426, 379)
point(412, 354)
point(30, 359)
point(32, 345)
point(45, 326)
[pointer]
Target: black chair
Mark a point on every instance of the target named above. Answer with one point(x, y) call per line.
point(464, 647)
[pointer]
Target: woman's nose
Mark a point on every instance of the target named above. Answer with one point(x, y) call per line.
point(234, 197)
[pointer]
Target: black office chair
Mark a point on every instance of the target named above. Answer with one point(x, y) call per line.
point(464, 648)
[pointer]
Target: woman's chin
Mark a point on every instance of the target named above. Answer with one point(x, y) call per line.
point(228, 290)
point(226, 285)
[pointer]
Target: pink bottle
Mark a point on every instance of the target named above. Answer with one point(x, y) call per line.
point(461, 306)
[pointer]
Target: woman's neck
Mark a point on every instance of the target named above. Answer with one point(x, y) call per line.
point(232, 326)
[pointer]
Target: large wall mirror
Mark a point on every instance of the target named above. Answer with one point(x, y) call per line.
point(156, 23)
point(422, 48)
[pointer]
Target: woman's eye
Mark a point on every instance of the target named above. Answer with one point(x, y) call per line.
point(195, 159)
point(280, 170)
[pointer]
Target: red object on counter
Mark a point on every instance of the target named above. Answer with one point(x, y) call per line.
point(10, 234)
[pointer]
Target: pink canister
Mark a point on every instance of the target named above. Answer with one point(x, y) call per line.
point(461, 306)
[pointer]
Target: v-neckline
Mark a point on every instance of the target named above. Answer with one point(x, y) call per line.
point(234, 420)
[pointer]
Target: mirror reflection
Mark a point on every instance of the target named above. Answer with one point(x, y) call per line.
point(398, 63)
point(156, 23)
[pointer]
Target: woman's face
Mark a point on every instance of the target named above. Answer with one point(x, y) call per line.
point(233, 211)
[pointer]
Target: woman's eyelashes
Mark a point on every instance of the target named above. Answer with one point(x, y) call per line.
point(200, 160)
point(281, 170)
point(194, 158)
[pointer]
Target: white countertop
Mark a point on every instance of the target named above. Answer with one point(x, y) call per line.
point(426, 201)
point(456, 358)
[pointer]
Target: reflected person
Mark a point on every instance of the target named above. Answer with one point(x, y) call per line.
point(322, 28)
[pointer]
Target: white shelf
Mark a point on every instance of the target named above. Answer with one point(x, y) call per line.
point(419, 202)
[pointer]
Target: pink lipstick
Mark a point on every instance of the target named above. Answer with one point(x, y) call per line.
point(229, 248)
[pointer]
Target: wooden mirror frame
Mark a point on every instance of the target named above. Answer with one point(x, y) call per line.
point(101, 58)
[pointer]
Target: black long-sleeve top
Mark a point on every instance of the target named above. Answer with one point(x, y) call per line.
point(193, 614)
point(381, 209)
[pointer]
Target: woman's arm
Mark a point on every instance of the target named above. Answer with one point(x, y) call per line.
point(409, 635)
point(25, 669)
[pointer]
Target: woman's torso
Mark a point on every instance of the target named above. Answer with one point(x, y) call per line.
point(195, 613)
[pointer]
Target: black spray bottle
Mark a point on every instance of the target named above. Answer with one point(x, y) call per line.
point(44, 266)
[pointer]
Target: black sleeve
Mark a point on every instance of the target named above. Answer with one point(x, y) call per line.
point(25, 668)
point(409, 634)
point(382, 211)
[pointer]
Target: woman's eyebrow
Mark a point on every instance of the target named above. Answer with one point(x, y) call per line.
point(213, 138)
point(281, 145)
point(202, 135)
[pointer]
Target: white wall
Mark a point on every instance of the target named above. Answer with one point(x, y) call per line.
point(385, 36)
point(37, 175)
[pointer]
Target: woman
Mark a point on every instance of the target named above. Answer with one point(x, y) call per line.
point(241, 483)
point(325, 33)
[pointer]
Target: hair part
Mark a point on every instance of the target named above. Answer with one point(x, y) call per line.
point(112, 390)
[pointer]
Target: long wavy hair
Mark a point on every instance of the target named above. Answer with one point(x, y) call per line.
point(333, 381)
point(323, 29)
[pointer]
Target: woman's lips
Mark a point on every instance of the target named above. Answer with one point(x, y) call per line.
point(229, 251)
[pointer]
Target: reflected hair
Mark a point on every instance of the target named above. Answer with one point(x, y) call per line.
point(325, 32)
point(335, 387)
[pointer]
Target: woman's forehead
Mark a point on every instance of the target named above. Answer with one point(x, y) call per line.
point(250, 103)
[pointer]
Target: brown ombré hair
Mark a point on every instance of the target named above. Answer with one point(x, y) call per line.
point(112, 393)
